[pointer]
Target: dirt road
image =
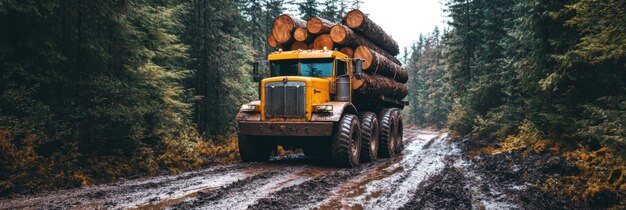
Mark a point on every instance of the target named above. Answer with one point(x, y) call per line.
point(431, 172)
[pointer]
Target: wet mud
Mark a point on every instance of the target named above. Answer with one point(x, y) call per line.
point(431, 173)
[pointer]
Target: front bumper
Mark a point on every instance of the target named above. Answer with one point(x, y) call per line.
point(255, 128)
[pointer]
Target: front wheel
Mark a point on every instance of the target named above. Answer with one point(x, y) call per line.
point(346, 145)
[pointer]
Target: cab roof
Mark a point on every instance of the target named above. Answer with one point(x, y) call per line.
point(305, 54)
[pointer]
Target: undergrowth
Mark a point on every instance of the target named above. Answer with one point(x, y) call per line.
point(600, 179)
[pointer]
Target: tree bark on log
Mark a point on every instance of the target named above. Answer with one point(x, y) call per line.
point(272, 42)
point(343, 35)
point(284, 26)
point(322, 41)
point(348, 51)
point(317, 25)
point(299, 46)
point(302, 35)
point(377, 85)
point(358, 21)
point(375, 63)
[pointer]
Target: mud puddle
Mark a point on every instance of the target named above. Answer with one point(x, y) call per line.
point(429, 171)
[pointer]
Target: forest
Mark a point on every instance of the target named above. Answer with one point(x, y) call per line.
point(92, 91)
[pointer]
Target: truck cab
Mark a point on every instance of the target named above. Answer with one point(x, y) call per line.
point(307, 102)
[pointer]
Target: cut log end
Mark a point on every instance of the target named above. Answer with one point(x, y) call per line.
point(301, 34)
point(271, 41)
point(354, 19)
point(299, 46)
point(318, 25)
point(322, 41)
point(365, 54)
point(338, 34)
point(314, 25)
point(283, 28)
point(348, 51)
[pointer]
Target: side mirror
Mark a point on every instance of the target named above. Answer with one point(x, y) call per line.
point(358, 65)
point(255, 72)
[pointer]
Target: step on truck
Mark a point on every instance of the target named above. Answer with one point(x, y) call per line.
point(308, 101)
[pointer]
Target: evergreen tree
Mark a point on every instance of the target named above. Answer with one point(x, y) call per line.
point(222, 60)
point(308, 9)
point(342, 9)
point(330, 11)
point(91, 91)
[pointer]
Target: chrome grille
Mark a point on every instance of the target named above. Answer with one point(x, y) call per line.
point(285, 100)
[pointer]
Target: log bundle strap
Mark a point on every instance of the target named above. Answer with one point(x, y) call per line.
point(358, 21)
point(375, 63)
point(284, 26)
point(317, 25)
point(343, 35)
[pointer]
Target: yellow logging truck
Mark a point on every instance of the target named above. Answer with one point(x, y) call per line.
point(308, 102)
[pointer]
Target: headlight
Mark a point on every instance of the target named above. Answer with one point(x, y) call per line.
point(249, 108)
point(323, 108)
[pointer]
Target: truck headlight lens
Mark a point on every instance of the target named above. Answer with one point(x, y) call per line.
point(249, 108)
point(323, 108)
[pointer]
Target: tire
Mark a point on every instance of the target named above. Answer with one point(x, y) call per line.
point(386, 138)
point(369, 137)
point(346, 142)
point(251, 149)
point(399, 131)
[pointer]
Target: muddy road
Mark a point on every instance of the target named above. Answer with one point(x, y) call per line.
point(430, 173)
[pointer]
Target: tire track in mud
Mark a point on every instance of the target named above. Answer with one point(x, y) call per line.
point(241, 194)
point(393, 182)
point(281, 184)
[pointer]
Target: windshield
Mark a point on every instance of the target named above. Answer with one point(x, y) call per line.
point(316, 67)
point(284, 68)
point(307, 67)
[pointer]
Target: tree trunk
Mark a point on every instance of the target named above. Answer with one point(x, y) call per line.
point(345, 36)
point(322, 41)
point(376, 85)
point(375, 63)
point(272, 42)
point(348, 51)
point(302, 35)
point(318, 25)
point(284, 26)
point(358, 21)
point(299, 46)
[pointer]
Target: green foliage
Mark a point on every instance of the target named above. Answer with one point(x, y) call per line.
point(428, 97)
point(92, 91)
point(309, 9)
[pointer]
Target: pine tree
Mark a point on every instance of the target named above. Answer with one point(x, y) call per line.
point(308, 9)
point(330, 11)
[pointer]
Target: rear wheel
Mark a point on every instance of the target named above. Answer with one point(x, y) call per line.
point(369, 137)
point(346, 145)
point(253, 149)
point(387, 141)
point(399, 132)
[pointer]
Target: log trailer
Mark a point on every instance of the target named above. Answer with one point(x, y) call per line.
point(322, 102)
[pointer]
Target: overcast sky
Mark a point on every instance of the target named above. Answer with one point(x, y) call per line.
point(404, 20)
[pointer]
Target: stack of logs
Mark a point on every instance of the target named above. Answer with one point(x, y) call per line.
point(357, 36)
